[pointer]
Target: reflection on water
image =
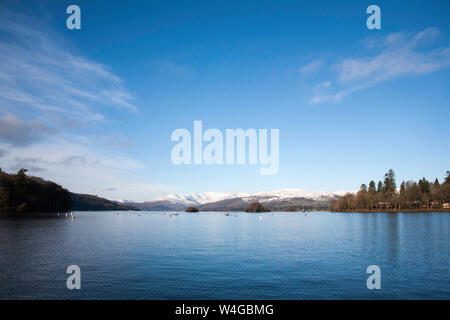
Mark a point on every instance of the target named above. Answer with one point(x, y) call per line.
point(213, 256)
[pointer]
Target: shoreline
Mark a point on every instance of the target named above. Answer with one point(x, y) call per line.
point(395, 211)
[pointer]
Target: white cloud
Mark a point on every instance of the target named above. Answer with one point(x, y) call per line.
point(170, 66)
point(83, 169)
point(41, 72)
point(46, 90)
point(401, 54)
point(311, 66)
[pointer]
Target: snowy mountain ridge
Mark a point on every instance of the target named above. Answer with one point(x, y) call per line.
point(266, 196)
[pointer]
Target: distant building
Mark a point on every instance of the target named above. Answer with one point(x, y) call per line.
point(435, 204)
point(446, 205)
point(384, 205)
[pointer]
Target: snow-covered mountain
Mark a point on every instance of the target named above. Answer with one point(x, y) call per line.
point(122, 201)
point(218, 199)
point(291, 193)
point(201, 198)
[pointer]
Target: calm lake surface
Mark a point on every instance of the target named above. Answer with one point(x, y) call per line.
point(213, 256)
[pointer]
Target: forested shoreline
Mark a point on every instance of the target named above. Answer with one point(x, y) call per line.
point(384, 196)
point(22, 193)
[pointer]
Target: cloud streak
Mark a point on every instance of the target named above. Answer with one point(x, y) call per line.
point(42, 74)
point(312, 66)
point(49, 96)
point(400, 54)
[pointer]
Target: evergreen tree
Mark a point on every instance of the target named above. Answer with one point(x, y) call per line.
point(402, 198)
point(380, 187)
point(447, 178)
point(424, 186)
point(402, 187)
point(372, 188)
point(389, 182)
point(20, 187)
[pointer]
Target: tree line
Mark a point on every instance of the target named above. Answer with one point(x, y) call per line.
point(422, 195)
point(21, 193)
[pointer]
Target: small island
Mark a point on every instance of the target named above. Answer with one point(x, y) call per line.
point(256, 207)
point(192, 209)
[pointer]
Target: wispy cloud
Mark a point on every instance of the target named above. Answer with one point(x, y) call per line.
point(171, 66)
point(399, 54)
point(39, 71)
point(311, 66)
point(49, 95)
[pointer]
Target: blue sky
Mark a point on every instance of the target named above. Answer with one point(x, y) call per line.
point(93, 109)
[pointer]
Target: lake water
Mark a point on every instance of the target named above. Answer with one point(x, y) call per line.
point(213, 256)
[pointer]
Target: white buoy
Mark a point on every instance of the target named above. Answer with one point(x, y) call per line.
point(260, 217)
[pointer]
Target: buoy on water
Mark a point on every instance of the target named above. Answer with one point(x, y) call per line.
point(260, 218)
point(73, 217)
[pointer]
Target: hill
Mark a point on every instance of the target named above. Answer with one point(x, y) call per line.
point(278, 200)
point(289, 204)
point(22, 193)
point(87, 202)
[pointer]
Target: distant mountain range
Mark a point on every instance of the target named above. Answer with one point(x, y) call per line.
point(22, 193)
point(87, 202)
point(282, 200)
